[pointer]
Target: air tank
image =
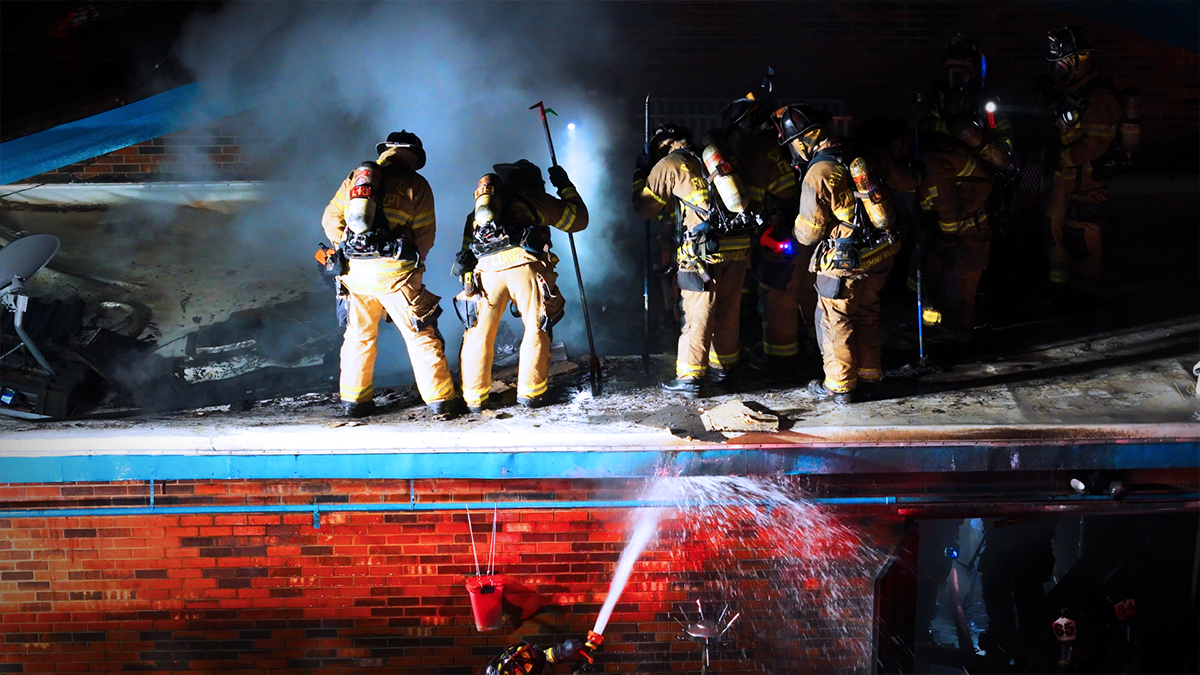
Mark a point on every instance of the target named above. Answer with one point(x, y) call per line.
point(875, 198)
point(366, 186)
point(728, 185)
point(487, 199)
point(1129, 134)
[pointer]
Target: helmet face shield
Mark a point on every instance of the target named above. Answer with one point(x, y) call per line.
point(1066, 42)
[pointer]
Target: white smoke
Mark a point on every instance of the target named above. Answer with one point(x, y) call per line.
point(330, 80)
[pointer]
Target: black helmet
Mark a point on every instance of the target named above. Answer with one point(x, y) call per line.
point(669, 131)
point(797, 119)
point(1065, 42)
point(521, 175)
point(962, 48)
point(745, 113)
point(404, 139)
point(519, 659)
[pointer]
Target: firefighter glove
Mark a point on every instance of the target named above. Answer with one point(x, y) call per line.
point(464, 263)
point(566, 651)
point(558, 177)
point(643, 165)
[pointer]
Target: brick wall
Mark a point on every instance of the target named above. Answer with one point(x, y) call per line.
point(383, 592)
point(222, 151)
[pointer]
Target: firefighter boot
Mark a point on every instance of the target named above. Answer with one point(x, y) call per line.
point(356, 410)
point(817, 389)
point(687, 386)
point(448, 409)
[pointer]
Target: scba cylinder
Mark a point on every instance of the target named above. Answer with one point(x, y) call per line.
point(728, 185)
point(487, 199)
point(875, 199)
point(366, 184)
point(1129, 134)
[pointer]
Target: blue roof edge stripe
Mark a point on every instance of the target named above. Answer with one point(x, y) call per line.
point(67, 144)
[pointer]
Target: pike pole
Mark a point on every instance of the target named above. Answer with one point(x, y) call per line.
point(648, 268)
point(593, 360)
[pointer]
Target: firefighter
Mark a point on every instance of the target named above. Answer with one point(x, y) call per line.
point(851, 258)
point(506, 258)
point(524, 658)
point(963, 97)
point(785, 287)
point(711, 264)
point(382, 218)
point(1087, 114)
point(952, 189)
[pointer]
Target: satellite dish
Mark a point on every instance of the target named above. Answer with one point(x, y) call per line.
point(25, 257)
point(19, 261)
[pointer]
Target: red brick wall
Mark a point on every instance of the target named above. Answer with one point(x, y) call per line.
point(222, 151)
point(376, 592)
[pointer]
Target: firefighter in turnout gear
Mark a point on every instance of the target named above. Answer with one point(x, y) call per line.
point(1087, 115)
point(382, 218)
point(506, 258)
point(952, 189)
point(712, 257)
point(778, 261)
point(854, 249)
point(961, 101)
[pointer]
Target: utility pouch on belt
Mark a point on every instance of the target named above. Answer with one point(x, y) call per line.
point(333, 264)
point(554, 305)
point(466, 309)
point(342, 310)
point(830, 287)
point(836, 255)
point(423, 310)
point(690, 281)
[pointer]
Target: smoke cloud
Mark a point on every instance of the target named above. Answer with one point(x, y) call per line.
point(330, 80)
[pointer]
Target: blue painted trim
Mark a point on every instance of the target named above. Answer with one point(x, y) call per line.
point(317, 509)
point(93, 136)
point(790, 460)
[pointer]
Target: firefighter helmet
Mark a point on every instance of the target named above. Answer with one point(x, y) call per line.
point(521, 175)
point(1066, 42)
point(797, 119)
point(404, 139)
point(961, 48)
point(519, 659)
point(669, 131)
point(744, 113)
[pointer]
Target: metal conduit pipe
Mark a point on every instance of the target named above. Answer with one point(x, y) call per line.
point(411, 507)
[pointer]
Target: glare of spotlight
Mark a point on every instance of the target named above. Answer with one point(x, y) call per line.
point(571, 126)
point(990, 106)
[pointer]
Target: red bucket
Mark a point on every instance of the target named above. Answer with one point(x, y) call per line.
point(486, 595)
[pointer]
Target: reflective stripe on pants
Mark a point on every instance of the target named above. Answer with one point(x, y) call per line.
point(710, 320)
point(520, 285)
point(425, 348)
point(848, 329)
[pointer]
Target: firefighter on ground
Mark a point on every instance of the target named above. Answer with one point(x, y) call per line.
point(382, 218)
point(854, 249)
point(952, 190)
point(712, 258)
point(1087, 115)
point(506, 258)
point(524, 658)
point(785, 286)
